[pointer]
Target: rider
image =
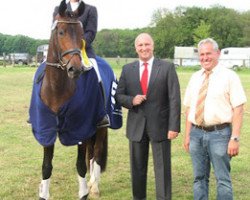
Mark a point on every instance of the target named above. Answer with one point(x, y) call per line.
point(89, 22)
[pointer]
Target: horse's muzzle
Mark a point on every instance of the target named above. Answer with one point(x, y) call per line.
point(74, 72)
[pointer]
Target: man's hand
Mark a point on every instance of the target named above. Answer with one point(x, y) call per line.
point(172, 135)
point(233, 148)
point(186, 143)
point(138, 99)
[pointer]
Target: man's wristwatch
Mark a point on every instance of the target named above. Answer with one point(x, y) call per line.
point(235, 138)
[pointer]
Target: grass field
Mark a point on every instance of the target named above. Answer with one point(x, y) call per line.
point(21, 155)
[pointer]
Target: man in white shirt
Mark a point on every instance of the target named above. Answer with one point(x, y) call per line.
point(216, 139)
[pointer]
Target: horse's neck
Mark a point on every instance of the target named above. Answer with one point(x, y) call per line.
point(57, 88)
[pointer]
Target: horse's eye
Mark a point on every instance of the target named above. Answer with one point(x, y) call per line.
point(61, 32)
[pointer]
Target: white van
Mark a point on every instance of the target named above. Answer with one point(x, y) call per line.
point(234, 57)
point(186, 56)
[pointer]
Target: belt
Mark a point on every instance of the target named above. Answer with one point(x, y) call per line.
point(213, 127)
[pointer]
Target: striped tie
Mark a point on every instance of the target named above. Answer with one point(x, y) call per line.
point(199, 114)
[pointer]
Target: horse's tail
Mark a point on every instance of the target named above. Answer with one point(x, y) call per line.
point(104, 156)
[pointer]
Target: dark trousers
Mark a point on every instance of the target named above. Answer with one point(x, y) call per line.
point(139, 152)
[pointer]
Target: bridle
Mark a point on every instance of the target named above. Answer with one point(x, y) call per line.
point(76, 51)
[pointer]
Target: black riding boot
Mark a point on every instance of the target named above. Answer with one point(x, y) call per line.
point(105, 122)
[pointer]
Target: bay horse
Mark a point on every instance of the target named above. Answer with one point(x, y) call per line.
point(61, 86)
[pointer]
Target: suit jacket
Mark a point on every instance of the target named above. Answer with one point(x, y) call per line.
point(161, 111)
point(89, 20)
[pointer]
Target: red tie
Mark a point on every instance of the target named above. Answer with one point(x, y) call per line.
point(144, 79)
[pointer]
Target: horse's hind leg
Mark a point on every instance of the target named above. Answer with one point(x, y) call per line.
point(47, 167)
point(82, 170)
point(97, 151)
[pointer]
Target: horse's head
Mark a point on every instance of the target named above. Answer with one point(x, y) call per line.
point(66, 41)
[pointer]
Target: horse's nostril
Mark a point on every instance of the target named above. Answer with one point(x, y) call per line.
point(74, 72)
point(71, 69)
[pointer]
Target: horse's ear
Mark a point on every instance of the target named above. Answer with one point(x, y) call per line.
point(62, 7)
point(81, 9)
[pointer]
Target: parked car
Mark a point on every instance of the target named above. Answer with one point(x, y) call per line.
point(20, 58)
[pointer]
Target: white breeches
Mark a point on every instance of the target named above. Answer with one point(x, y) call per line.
point(94, 64)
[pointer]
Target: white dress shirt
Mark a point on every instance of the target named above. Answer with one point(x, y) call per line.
point(225, 92)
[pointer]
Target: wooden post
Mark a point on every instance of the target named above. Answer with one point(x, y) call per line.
point(4, 58)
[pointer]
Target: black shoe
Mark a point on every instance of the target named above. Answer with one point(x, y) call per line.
point(105, 122)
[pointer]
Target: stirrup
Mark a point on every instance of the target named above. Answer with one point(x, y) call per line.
point(105, 122)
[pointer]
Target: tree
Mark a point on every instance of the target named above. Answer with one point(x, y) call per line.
point(201, 32)
point(226, 28)
point(245, 21)
point(19, 44)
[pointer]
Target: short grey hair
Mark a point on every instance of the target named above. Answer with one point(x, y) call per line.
point(143, 35)
point(208, 40)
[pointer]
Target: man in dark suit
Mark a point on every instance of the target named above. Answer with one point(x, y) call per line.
point(153, 116)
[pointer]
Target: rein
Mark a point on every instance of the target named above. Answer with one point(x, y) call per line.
point(72, 52)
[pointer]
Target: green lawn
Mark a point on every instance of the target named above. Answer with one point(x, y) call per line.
point(21, 155)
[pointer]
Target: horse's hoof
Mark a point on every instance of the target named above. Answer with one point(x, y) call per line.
point(41, 198)
point(85, 197)
point(94, 191)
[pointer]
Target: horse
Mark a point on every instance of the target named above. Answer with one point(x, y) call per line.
point(63, 90)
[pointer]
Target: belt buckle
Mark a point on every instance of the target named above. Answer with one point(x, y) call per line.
point(202, 128)
point(208, 128)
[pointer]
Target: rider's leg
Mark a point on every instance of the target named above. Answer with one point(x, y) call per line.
point(105, 122)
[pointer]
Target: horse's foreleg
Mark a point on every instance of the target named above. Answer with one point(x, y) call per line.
point(47, 167)
point(82, 170)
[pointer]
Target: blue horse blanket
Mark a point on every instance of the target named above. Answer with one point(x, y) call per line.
point(77, 118)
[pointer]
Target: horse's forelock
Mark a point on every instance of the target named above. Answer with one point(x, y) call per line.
point(71, 14)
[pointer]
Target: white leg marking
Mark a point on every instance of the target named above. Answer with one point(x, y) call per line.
point(44, 189)
point(83, 188)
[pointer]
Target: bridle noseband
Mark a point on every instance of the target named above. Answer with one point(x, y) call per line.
point(76, 51)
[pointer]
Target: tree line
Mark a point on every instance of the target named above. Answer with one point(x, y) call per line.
point(19, 44)
point(184, 26)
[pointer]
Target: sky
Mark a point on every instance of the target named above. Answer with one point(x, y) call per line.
point(33, 18)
